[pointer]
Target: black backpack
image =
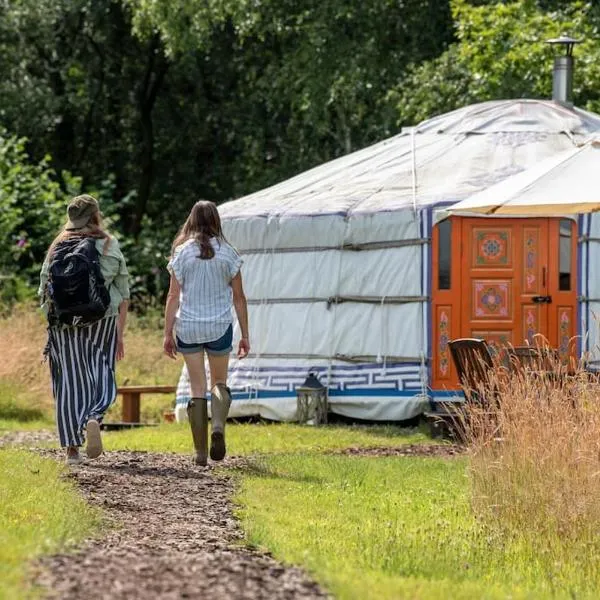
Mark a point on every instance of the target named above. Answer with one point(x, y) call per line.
point(76, 288)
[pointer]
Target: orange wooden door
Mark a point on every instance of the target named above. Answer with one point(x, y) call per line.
point(505, 280)
point(512, 282)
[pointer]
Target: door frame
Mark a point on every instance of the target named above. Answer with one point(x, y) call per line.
point(447, 306)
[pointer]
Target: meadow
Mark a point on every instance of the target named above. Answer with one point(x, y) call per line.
point(514, 517)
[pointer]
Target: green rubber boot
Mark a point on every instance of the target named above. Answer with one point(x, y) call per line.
point(197, 410)
point(220, 402)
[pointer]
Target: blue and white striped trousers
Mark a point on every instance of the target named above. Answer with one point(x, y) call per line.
point(82, 367)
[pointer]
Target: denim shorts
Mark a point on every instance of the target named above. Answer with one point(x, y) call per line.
point(219, 347)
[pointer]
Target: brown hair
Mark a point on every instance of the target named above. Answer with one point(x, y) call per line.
point(93, 229)
point(202, 224)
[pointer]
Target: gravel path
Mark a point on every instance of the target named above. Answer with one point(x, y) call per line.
point(175, 537)
point(27, 438)
point(434, 450)
point(173, 533)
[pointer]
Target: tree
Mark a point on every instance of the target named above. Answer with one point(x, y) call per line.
point(158, 104)
point(502, 52)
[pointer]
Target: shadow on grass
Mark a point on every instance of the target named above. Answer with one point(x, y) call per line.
point(14, 408)
point(383, 429)
point(262, 470)
point(14, 411)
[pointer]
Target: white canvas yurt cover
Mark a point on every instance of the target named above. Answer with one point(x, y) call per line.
point(337, 260)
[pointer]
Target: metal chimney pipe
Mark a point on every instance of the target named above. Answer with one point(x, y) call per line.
point(562, 80)
point(562, 74)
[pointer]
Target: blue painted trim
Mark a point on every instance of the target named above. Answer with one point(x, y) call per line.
point(446, 394)
point(429, 295)
point(580, 282)
point(587, 276)
point(444, 203)
point(364, 392)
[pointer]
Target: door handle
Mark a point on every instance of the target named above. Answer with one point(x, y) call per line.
point(542, 299)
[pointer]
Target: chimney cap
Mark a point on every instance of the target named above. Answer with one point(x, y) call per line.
point(565, 40)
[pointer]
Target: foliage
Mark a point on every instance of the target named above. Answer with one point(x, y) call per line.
point(154, 105)
point(175, 101)
point(32, 204)
point(40, 513)
point(501, 52)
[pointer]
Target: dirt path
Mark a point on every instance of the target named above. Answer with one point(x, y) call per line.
point(428, 450)
point(175, 537)
point(173, 534)
point(26, 438)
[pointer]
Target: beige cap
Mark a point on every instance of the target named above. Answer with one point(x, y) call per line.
point(80, 211)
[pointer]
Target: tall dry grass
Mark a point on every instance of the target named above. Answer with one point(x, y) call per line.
point(22, 340)
point(534, 436)
point(25, 378)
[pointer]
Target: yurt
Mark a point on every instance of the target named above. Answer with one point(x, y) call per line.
point(353, 270)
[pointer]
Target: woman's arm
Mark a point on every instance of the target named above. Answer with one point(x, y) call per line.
point(171, 307)
point(43, 280)
point(121, 323)
point(241, 310)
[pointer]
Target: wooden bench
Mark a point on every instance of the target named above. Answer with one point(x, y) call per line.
point(132, 395)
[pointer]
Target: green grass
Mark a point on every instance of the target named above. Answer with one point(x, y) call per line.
point(14, 425)
point(39, 514)
point(397, 528)
point(246, 439)
point(382, 528)
point(14, 406)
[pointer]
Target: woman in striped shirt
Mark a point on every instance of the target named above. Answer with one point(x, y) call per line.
point(206, 283)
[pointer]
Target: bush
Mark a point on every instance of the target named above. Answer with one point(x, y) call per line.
point(33, 207)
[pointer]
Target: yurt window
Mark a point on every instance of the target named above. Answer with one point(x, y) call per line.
point(565, 249)
point(444, 254)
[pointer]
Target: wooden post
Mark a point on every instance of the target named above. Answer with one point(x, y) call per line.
point(131, 407)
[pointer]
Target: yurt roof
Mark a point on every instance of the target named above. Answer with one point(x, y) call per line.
point(442, 160)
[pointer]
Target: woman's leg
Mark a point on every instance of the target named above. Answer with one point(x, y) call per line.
point(220, 401)
point(197, 373)
point(102, 359)
point(218, 364)
point(66, 387)
point(99, 353)
point(197, 407)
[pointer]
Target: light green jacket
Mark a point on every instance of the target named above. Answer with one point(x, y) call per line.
point(114, 270)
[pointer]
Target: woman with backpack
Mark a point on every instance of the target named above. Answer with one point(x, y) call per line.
point(85, 294)
point(206, 283)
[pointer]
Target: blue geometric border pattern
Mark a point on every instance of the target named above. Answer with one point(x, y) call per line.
point(398, 377)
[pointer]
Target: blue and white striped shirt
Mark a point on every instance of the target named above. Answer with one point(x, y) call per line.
point(206, 297)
